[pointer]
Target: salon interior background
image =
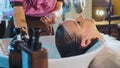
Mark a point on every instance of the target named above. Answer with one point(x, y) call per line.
point(88, 12)
point(88, 9)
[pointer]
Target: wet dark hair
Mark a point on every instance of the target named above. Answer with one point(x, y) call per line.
point(67, 45)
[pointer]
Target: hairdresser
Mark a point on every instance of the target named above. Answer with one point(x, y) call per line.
point(36, 14)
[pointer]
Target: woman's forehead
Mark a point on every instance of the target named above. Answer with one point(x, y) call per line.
point(70, 25)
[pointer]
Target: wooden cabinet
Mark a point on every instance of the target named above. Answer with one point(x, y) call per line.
point(114, 30)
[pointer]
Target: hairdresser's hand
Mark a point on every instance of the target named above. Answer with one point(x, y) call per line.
point(48, 19)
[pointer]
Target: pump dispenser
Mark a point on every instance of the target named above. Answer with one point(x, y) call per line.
point(36, 45)
point(30, 40)
point(34, 55)
point(15, 55)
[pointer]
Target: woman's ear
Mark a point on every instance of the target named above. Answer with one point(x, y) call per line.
point(85, 42)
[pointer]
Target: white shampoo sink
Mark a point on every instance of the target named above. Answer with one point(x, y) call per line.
point(55, 61)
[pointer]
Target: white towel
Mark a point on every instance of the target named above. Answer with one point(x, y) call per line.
point(109, 57)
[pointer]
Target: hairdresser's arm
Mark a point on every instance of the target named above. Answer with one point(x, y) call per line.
point(19, 17)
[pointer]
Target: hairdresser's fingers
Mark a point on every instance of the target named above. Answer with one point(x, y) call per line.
point(45, 20)
point(42, 19)
point(50, 20)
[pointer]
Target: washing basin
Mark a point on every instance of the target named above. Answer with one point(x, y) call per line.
point(55, 61)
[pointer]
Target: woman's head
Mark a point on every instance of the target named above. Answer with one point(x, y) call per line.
point(73, 34)
point(68, 39)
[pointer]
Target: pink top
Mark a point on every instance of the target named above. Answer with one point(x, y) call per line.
point(43, 7)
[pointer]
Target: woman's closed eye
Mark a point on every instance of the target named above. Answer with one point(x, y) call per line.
point(78, 22)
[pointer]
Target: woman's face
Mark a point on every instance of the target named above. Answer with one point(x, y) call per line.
point(85, 28)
